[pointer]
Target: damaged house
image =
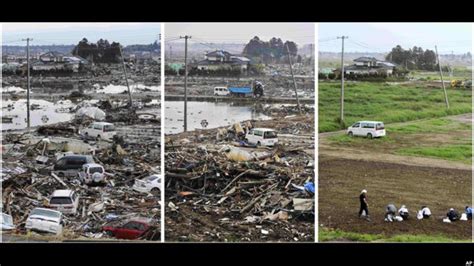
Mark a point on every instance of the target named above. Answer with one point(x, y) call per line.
point(55, 61)
point(222, 59)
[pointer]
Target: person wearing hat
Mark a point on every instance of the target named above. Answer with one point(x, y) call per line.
point(403, 212)
point(364, 206)
point(452, 215)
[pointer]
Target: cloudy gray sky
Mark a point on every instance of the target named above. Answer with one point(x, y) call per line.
point(72, 33)
point(301, 33)
point(381, 37)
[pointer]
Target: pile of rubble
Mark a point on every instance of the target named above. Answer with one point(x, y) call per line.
point(28, 178)
point(220, 188)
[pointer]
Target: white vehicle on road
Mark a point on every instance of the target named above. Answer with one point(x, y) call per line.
point(65, 201)
point(150, 184)
point(45, 220)
point(221, 91)
point(100, 130)
point(370, 129)
point(262, 137)
point(6, 222)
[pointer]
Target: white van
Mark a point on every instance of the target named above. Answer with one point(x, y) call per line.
point(221, 91)
point(262, 137)
point(370, 129)
point(100, 130)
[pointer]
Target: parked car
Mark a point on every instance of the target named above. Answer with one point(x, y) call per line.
point(262, 137)
point(64, 200)
point(131, 229)
point(370, 129)
point(45, 220)
point(221, 91)
point(92, 174)
point(69, 165)
point(100, 130)
point(6, 222)
point(150, 184)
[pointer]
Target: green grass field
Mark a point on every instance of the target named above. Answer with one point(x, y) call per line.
point(461, 73)
point(326, 235)
point(386, 102)
point(457, 145)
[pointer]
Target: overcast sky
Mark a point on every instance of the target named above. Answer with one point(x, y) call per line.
point(301, 33)
point(381, 37)
point(72, 33)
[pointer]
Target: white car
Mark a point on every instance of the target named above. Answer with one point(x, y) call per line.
point(370, 129)
point(92, 173)
point(150, 184)
point(6, 222)
point(100, 130)
point(64, 200)
point(262, 137)
point(45, 220)
point(221, 91)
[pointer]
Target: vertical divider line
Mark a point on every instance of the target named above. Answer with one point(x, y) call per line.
point(316, 132)
point(472, 132)
point(1, 98)
point(162, 131)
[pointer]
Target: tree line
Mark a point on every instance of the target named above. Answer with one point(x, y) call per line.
point(273, 51)
point(100, 52)
point(414, 58)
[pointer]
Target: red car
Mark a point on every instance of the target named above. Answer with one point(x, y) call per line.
point(131, 229)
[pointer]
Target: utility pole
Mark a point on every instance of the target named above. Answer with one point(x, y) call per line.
point(442, 80)
point(294, 80)
point(186, 37)
point(28, 82)
point(126, 78)
point(342, 79)
point(171, 53)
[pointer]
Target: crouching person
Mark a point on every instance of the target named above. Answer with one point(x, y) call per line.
point(424, 213)
point(390, 212)
point(403, 212)
point(453, 215)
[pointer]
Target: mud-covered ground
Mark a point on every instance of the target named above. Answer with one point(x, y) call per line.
point(276, 86)
point(341, 181)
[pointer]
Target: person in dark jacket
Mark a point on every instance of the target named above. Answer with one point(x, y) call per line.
point(453, 215)
point(364, 205)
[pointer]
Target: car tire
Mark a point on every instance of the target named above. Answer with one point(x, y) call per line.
point(109, 233)
point(61, 174)
point(350, 134)
point(259, 144)
point(155, 192)
point(370, 136)
point(98, 137)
